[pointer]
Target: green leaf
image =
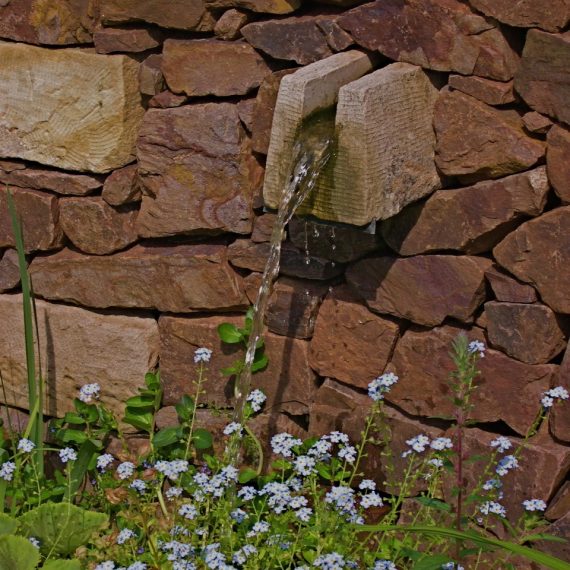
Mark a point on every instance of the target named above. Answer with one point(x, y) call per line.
point(139, 420)
point(138, 402)
point(73, 418)
point(247, 475)
point(185, 408)
point(72, 436)
point(546, 537)
point(62, 565)
point(17, 553)
point(229, 333)
point(202, 439)
point(259, 363)
point(434, 504)
point(152, 380)
point(61, 527)
point(434, 562)
point(324, 471)
point(165, 436)
point(85, 456)
point(236, 368)
point(7, 524)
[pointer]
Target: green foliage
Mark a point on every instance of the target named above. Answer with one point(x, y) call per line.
point(8, 524)
point(62, 565)
point(140, 410)
point(17, 553)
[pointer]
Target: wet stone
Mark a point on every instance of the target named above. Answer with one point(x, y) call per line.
point(263, 227)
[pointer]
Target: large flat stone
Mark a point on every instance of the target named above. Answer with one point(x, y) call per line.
point(193, 166)
point(472, 219)
point(287, 381)
point(113, 40)
point(183, 278)
point(538, 252)
point(426, 289)
point(486, 90)
point(507, 288)
point(68, 108)
point(77, 347)
point(557, 165)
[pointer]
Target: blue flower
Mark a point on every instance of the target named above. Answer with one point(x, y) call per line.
point(26, 445)
point(124, 535)
point(67, 454)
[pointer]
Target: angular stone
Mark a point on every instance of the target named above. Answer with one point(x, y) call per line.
point(212, 67)
point(248, 255)
point(53, 124)
point(508, 289)
point(181, 279)
point(52, 22)
point(297, 38)
point(425, 289)
point(112, 40)
point(560, 529)
point(559, 418)
point(472, 219)
point(560, 504)
point(77, 346)
point(151, 80)
point(246, 112)
point(543, 79)
point(536, 123)
point(557, 165)
point(507, 389)
point(288, 382)
point(38, 213)
point(550, 15)
point(475, 141)
point(350, 343)
point(229, 26)
point(529, 333)
point(486, 90)
point(95, 227)
point(263, 228)
point(166, 100)
point(263, 6)
point(337, 243)
point(529, 254)
point(194, 169)
point(53, 180)
point(336, 37)
point(444, 35)
point(122, 187)
point(178, 14)
point(9, 271)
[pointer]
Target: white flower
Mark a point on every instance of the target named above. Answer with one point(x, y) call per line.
point(7, 470)
point(258, 528)
point(337, 437)
point(348, 453)
point(173, 492)
point(502, 443)
point(435, 462)
point(367, 484)
point(233, 427)
point(418, 443)
point(381, 385)
point(26, 445)
point(188, 511)
point(494, 508)
point(477, 346)
point(256, 400)
point(506, 464)
point(89, 392)
point(124, 535)
point(558, 393)
point(172, 469)
point(202, 355)
point(34, 541)
point(304, 465)
point(372, 499)
point(137, 566)
point(107, 565)
point(125, 470)
point(384, 565)
point(283, 443)
point(304, 514)
point(138, 485)
point(534, 505)
point(67, 454)
point(441, 443)
point(492, 484)
point(332, 561)
point(103, 461)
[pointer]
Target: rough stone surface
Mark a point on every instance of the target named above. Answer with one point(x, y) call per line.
point(560, 504)
point(77, 346)
point(263, 6)
point(507, 389)
point(246, 112)
point(529, 333)
point(85, 116)
point(288, 383)
point(336, 37)
point(475, 141)
point(444, 35)
point(166, 100)
point(192, 166)
point(122, 187)
point(38, 212)
point(52, 22)
point(543, 79)
point(174, 279)
point(263, 228)
point(112, 40)
point(229, 26)
point(424, 289)
point(472, 219)
point(350, 343)
point(508, 289)
point(550, 15)
point(212, 67)
point(536, 123)
point(557, 164)
point(151, 80)
point(486, 90)
point(179, 14)
point(560, 414)
point(528, 254)
point(560, 529)
point(9, 271)
point(95, 227)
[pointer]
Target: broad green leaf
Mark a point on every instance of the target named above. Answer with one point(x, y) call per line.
point(140, 402)
point(434, 562)
point(166, 436)
point(546, 537)
point(61, 527)
point(185, 408)
point(433, 504)
point(72, 418)
point(202, 439)
point(236, 368)
point(259, 363)
point(62, 565)
point(7, 524)
point(324, 471)
point(139, 420)
point(229, 333)
point(247, 475)
point(70, 435)
point(17, 553)
point(85, 456)
point(152, 380)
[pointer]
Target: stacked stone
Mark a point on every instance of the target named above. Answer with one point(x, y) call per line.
point(135, 152)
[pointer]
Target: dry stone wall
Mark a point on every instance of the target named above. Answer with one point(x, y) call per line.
point(134, 137)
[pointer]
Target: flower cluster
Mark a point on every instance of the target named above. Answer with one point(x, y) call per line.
point(381, 386)
point(558, 393)
point(534, 505)
point(202, 355)
point(172, 469)
point(256, 400)
point(89, 392)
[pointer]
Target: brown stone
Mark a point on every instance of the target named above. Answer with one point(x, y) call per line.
point(557, 164)
point(122, 187)
point(336, 37)
point(475, 141)
point(13, 420)
point(507, 389)
point(9, 270)
point(166, 100)
point(425, 289)
point(444, 35)
point(174, 279)
point(264, 108)
point(212, 67)
point(95, 227)
point(178, 14)
point(297, 38)
point(194, 169)
point(560, 529)
point(229, 26)
point(288, 382)
point(508, 289)
point(112, 40)
point(543, 79)
point(76, 347)
point(248, 255)
point(51, 22)
point(151, 80)
point(560, 412)
point(529, 333)
point(528, 253)
point(263, 227)
point(486, 90)
point(560, 504)
point(53, 180)
point(246, 112)
point(536, 123)
point(264, 6)
point(337, 243)
point(550, 15)
point(38, 213)
point(350, 343)
point(472, 219)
